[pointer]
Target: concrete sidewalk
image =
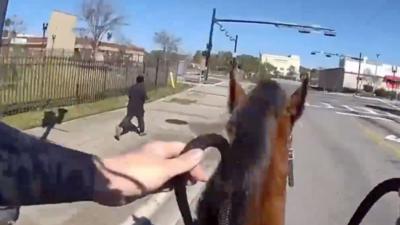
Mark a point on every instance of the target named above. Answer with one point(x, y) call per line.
point(202, 107)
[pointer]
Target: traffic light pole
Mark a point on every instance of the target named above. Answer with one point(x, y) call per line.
point(301, 29)
point(3, 11)
point(209, 45)
point(236, 40)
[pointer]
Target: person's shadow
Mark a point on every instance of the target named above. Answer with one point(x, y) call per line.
point(9, 215)
point(50, 119)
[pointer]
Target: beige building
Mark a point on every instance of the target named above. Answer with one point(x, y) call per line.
point(61, 33)
point(61, 40)
point(109, 51)
point(284, 64)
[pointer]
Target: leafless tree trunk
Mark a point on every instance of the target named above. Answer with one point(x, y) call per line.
point(100, 18)
point(168, 42)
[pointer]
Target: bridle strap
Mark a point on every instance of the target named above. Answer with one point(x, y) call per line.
point(290, 161)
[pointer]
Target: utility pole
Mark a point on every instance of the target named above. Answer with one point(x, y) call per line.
point(359, 71)
point(3, 12)
point(376, 68)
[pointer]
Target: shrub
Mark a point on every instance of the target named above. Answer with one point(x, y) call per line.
point(385, 94)
point(368, 88)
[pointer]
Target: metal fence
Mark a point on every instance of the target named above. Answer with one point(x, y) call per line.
point(31, 83)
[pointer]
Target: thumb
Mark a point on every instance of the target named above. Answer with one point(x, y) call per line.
point(185, 162)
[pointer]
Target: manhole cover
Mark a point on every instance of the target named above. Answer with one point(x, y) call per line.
point(183, 101)
point(176, 121)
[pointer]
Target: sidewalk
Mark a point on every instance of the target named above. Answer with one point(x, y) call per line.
point(205, 112)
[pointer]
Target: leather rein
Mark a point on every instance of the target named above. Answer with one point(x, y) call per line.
point(219, 142)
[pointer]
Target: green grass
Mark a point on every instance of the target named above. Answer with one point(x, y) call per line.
point(33, 119)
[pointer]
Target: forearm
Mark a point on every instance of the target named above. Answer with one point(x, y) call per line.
point(35, 172)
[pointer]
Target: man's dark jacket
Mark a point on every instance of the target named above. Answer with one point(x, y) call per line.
point(137, 97)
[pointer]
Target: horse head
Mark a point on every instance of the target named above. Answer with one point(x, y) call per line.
point(249, 185)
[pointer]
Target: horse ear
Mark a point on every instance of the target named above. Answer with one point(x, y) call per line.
point(237, 95)
point(297, 101)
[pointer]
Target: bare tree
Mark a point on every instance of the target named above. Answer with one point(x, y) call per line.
point(100, 18)
point(13, 26)
point(168, 42)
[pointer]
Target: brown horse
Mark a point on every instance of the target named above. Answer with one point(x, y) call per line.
point(249, 185)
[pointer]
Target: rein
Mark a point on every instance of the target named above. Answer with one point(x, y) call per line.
point(179, 183)
point(219, 142)
point(387, 186)
point(203, 142)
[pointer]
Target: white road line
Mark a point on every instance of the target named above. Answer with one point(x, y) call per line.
point(349, 108)
point(327, 105)
point(362, 116)
point(393, 138)
point(309, 105)
point(391, 115)
point(379, 100)
point(370, 111)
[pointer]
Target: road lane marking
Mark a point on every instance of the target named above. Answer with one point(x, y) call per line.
point(370, 111)
point(391, 115)
point(379, 140)
point(327, 105)
point(349, 108)
point(393, 138)
point(362, 116)
point(309, 105)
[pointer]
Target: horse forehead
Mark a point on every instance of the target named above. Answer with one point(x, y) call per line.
point(270, 95)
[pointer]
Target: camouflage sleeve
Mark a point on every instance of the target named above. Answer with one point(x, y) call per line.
point(36, 172)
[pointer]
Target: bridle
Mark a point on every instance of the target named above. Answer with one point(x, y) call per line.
point(290, 161)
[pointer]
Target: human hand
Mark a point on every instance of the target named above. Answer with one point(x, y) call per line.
point(129, 176)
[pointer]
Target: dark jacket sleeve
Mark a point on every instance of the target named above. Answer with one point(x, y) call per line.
point(36, 172)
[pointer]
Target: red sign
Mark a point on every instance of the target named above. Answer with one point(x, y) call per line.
point(392, 82)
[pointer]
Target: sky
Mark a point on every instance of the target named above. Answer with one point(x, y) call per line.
point(371, 27)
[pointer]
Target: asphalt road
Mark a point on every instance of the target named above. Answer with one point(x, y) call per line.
point(340, 155)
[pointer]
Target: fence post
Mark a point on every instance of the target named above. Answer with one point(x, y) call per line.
point(104, 80)
point(126, 76)
point(77, 93)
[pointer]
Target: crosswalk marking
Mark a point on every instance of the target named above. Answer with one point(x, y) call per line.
point(362, 116)
point(393, 138)
point(327, 105)
point(309, 105)
point(368, 110)
point(354, 110)
point(391, 115)
point(349, 108)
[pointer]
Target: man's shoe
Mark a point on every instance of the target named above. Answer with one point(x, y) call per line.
point(142, 134)
point(118, 131)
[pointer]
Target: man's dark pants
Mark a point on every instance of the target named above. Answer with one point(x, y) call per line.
point(127, 125)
